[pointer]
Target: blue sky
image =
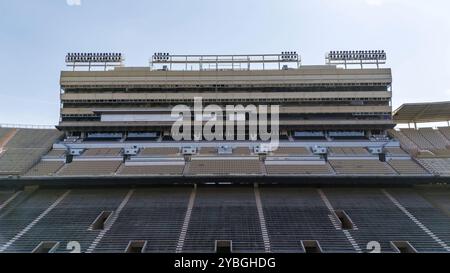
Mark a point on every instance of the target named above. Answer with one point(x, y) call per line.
point(35, 35)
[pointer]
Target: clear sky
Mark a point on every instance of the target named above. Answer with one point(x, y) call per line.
point(35, 35)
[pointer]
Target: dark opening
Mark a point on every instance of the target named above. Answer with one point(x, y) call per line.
point(382, 157)
point(136, 247)
point(100, 222)
point(346, 222)
point(69, 158)
point(46, 247)
point(311, 247)
point(403, 247)
point(223, 246)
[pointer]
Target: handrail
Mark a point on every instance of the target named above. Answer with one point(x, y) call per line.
point(27, 126)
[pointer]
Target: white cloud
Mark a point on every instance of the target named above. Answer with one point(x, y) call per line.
point(73, 2)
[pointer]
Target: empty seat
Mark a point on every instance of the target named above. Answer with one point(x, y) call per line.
point(294, 151)
point(102, 152)
point(281, 169)
point(160, 151)
point(152, 170)
point(417, 138)
point(445, 131)
point(395, 151)
point(241, 151)
point(348, 151)
point(208, 151)
point(406, 143)
point(223, 167)
point(361, 167)
point(434, 137)
point(439, 166)
point(90, 167)
point(16, 161)
point(406, 167)
point(45, 168)
point(56, 153)
point(34, 138)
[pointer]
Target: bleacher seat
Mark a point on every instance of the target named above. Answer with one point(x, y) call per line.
point(418, 139)
point(34, 138)
point(396, 151)
point(348, 151)
point(225, 167)
point(102, 152)
point(162, 151)
point(439, 166)
point(90, 167)
point(286, 168)
point(406, 143)
point(445, 131)
point(16, 161)
point(292, 151)
point(165, 169)
point(361, 167)
point(434, 137)
point(56, 153)
point(406, 167)
point(45, 168)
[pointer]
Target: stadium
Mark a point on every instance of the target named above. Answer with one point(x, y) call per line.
point(342, 178)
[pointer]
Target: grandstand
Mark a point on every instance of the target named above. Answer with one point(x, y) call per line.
point(112, 178)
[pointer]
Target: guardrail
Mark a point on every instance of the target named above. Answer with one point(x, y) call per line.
point(27, 126)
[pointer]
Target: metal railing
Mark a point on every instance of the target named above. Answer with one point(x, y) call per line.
point(27, 126)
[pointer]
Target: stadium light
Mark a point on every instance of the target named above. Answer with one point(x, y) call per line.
point(356, 57)
point(94, 58)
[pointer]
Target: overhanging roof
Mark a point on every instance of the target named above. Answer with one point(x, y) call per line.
point(422, 112)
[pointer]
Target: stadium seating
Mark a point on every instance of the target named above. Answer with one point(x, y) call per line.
point(68, 221)
point(34, 138)
point(291, 151)
point(25, 149)
point(208, 151)
point(16, 161)
point(59, 153)
point(406, 167)
point(224, 214)
point(169, 151)
point(361, 167)
point(445, 131)
point(241, 151)
point(45, 168)
point(102, 152)
point(294, 214)
point(406, 143)
point(353, 151)
point(378, 219)
point(225, 166)
point(417, 138)
point(298, 168)
point(395, 151)
point(153, 215)
point(434, 137)
point(90, 167)
point(166, 169)
point(438, 166)
point(290, 214)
